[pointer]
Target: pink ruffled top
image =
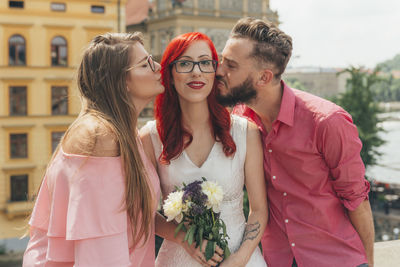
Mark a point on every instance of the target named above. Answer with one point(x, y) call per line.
point(79, 217)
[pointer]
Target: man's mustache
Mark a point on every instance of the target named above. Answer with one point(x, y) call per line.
point(221, 79)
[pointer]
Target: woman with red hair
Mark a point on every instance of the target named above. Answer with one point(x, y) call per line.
point(193, 137)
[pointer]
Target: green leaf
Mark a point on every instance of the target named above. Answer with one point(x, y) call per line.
point(187, 235)
point(223, 227)
point(215, 231)
point(192, 230)
point(210, 248)
point(200, 236)
point(227, 252)
point(184, 227)
point(178, 228)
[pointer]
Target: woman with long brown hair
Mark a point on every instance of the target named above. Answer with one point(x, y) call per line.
point(97, 201)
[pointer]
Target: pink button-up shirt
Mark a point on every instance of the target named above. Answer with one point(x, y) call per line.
point(314, 173)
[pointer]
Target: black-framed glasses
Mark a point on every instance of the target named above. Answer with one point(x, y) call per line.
point(186, 66)
point(149, 60)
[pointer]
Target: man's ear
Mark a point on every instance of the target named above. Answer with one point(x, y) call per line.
point(265, 77)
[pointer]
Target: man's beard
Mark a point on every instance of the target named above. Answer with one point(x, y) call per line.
point(242, 93)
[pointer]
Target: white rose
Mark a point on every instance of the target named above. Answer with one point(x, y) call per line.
point(173, 206)
point(214, 193)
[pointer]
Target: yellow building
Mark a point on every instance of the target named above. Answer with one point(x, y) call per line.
point(41, 45)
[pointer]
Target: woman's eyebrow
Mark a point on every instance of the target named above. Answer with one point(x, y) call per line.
point(189, 57)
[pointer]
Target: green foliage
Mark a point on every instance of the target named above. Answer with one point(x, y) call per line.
point(391, 64)
point(387, 89)
point(207, 225)
point(245, 203)
point(295, 83)
point(359, 101)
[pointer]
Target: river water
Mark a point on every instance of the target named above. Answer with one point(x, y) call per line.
point(388, 168)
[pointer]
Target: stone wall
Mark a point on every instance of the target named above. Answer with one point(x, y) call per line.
point(387, 254)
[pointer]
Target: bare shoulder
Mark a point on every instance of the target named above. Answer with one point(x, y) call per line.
point(92, 137)
point(254, 143)
point(145, 137)
point(145, 131)
point(252, 130)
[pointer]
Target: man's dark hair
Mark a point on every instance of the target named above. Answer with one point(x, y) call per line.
point(272, 46)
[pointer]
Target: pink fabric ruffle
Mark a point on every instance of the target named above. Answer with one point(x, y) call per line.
point(79, 217)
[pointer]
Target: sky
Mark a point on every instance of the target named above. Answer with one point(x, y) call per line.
point(340, 33)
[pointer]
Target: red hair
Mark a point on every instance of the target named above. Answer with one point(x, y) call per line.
point(168, 112)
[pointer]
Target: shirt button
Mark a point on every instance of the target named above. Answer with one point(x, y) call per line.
point(293, 244)
point(274, 177)
point(286, 221)
point(270, 150)
point(285, 194)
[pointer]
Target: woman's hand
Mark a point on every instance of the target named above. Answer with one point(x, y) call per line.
point(234, 260)
point(167, 231)
point(199, 256)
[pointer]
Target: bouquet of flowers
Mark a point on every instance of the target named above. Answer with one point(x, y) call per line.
point(196, 208)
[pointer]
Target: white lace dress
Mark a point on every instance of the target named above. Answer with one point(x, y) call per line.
point(228, 172)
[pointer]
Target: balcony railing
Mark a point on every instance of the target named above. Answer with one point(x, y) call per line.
point(19, 208)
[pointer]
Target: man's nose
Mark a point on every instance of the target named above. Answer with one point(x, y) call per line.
point(219, 71)
point(158, 66)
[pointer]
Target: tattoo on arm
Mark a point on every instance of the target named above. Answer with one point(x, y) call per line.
point(251, 231)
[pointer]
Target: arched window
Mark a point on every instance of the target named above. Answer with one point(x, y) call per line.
point(59, 52)
point(16, 50)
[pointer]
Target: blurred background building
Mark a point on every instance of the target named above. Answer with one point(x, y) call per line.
point(323, 82)
point(169, 18)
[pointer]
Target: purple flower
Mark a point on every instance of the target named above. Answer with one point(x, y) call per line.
point(197, 209)
point(193, 193)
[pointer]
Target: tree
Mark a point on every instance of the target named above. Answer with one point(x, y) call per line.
point(389, 89)
point(391, 64)
point(359, 101)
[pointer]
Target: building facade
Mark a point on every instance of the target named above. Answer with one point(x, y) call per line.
point(41, 45)
point(323, 82)
point(169, 18)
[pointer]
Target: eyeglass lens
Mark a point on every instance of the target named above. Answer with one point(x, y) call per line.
point(206, 66)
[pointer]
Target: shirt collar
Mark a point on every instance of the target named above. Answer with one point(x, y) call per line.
point(286, 112)
point(285, 115)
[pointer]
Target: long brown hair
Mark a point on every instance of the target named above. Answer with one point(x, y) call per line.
point(102, 84)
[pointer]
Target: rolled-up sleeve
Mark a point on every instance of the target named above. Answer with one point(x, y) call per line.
point(340, 146)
